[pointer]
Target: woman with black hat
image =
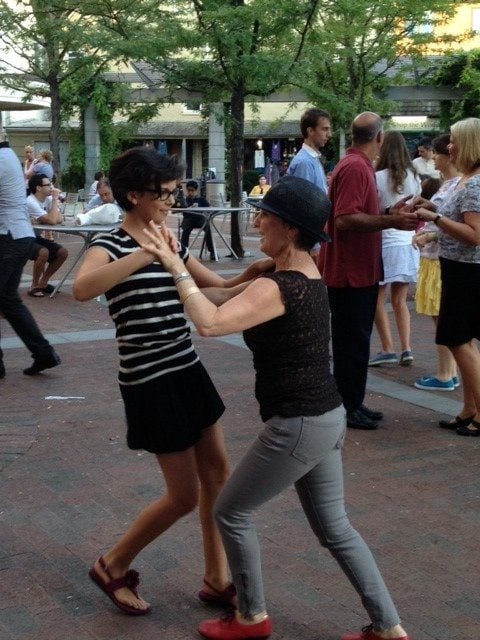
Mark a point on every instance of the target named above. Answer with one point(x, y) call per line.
point(285, 319)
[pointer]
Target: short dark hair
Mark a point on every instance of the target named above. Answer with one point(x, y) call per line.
point(140, 168)
point(103, 182)
point(98, 175)
point(440, 144)
point(192, 184)
point(430, 186)
point(36, 181)
point(425, 142)
point(310, 119)
point(304, 241)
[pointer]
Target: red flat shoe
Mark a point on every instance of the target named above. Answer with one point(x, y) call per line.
point(218, 598)
point(130, 580)
point(229, 628)
point(367, 633)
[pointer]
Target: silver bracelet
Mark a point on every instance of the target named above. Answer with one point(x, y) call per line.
point(181, 276)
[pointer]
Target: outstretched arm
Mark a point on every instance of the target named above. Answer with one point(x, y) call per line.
point(259, 302)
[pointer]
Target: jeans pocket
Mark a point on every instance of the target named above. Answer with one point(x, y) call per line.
point(306, 447)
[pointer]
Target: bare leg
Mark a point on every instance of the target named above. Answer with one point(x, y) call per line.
point(447, 367)
point(38, 268)
point(180, 473)
point(53, 267)
point(468, 361)
point(213, 472)
point(382, 322)
point(399, 291)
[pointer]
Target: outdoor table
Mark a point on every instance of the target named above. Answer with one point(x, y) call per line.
point(87, 232)
point(209, 214)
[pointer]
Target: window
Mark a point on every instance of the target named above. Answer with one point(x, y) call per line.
point(476, 20)
point(422, 28)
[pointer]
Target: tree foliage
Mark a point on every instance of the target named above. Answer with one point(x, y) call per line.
point(352, 54)
point(461, 70)
point(48, 44)
point(59, 49)
point(229, 50)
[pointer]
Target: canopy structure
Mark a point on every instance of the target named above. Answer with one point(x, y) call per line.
point(15, 101)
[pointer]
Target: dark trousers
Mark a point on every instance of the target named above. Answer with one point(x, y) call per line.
point(191, 222)
point(352, 313)
point(13, 256)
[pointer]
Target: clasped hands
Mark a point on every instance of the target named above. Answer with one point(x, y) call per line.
point(163, 246)
point(423, 208)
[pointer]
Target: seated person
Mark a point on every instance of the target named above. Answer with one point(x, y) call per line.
point(104, 214)
point(180, 202)
point(195, 220)
point(104, 195)
point(41, 165)
point(261, 188)
point(48, 256)
point(92, 192)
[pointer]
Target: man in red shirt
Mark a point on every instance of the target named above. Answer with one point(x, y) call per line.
point(351, 264)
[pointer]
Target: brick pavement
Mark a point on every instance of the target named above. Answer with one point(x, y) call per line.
point(69, 487)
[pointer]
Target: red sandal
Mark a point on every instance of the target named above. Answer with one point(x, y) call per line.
point(218, 598)
point(130, 580)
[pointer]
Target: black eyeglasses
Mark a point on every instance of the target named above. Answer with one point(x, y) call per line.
point(49, 184)
point(163, 195)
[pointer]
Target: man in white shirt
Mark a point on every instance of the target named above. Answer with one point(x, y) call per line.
point(424, 164)
point(48, 256)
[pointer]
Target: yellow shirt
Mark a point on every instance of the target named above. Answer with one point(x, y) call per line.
point(258, 190)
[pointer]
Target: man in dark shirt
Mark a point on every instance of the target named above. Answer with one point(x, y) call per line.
point(351, 265)
point(195, 220)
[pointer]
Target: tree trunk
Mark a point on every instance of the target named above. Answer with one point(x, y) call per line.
point(56, 126)
point(236, 146)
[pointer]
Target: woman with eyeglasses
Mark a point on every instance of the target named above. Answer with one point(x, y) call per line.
point(172, 408)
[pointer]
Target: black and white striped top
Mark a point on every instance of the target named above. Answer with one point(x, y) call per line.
point(151, 329)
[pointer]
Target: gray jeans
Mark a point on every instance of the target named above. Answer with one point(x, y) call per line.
point(305, 451)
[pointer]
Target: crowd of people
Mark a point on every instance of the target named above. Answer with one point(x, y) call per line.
point(331, 250)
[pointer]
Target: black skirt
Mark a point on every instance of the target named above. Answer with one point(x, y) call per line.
point(168, 414)
point(459, 314)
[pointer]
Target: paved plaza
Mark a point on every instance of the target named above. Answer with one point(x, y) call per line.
point(69, 487)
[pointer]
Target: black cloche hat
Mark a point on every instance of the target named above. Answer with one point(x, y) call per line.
point(300, 203)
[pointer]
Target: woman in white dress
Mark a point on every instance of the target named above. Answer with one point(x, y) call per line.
point(396, 178)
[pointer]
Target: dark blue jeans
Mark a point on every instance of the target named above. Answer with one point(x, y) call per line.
point(13, 256)
point(352, 316)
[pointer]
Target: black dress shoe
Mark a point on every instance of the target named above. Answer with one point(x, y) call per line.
point(2, 369)
point(45, 362)
point(370, 413)
point(358, 420)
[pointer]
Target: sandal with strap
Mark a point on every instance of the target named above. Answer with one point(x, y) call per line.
point(473, 429)
point(130, 580)
point(457, 422)
point(37, 292)
point(218, 598)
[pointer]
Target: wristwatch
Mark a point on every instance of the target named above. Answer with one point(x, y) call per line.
point(437, 218)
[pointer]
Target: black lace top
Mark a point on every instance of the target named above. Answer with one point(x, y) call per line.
point(291, 353)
